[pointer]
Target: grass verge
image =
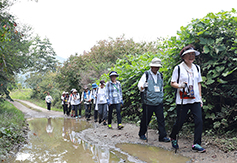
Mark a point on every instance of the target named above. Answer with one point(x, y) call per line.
point(11, 124)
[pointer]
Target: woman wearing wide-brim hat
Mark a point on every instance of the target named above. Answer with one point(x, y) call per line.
point(114, 98)
point(186, 78)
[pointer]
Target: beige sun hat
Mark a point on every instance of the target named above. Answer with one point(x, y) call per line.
point(156, 62)
point(74, 90)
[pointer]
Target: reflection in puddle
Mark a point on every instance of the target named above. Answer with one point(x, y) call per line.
point(152, 154)
point(58, 141)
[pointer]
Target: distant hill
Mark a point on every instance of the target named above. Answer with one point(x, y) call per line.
point(60, 59)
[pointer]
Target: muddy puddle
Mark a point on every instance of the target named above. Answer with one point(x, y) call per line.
point(152, 154)
point(57, 141)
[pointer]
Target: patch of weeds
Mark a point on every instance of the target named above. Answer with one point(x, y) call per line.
point(12, 122)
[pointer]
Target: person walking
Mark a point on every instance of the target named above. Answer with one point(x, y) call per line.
point(87, 102)
point(151, 84)
point(75, 102)
point(48, 101)
point(186, 78)
point(102, 102)
point(114, 98)
point(62, 99)
point(66, 103)
point(93, 95)
point(69, 103)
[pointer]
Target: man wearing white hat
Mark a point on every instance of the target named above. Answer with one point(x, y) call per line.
point(151, 84)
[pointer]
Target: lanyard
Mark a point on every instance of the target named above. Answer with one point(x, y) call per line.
point(115, 87)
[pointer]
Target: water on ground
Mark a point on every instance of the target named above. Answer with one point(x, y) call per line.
point(56, 140)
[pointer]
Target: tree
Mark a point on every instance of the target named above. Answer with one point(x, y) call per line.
point(13, 49)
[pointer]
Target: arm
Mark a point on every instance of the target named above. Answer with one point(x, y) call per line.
point(174, 79)
point(107, 93)
point(90, 97)
point(121, 94)
point(142, 82)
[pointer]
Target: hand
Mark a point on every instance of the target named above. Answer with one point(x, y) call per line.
point(108, 102)
point(182, 85)
point(142, 88)
point(122, 103)
point(201, 103)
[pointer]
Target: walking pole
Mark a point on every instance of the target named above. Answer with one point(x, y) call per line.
point(179, 118)
point(146, 122)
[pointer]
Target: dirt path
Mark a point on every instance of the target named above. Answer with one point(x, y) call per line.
point(30, 113)
point(101, 135)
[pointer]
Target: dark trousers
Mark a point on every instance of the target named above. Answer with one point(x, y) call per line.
point(69, 109)
point(65, 108)
point(95, 112)
point(119, 118)
point(147, 113)
point(102, 110)
point(87, 110)
point(75, 108)
point(181, 116)
point(48, 106)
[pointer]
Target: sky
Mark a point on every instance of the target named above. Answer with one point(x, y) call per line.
point(73, 26)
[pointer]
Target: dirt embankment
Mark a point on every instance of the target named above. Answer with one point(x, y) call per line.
point(103, 136)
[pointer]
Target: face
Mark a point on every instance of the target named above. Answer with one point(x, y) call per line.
point(155, 69)
point(113, 78)
point(102, 85)
point(189, 57)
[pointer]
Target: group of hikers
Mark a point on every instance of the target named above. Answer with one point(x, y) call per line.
point(101, 99)
point(186, 78)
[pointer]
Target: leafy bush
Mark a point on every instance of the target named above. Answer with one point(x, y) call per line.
point(216, 38)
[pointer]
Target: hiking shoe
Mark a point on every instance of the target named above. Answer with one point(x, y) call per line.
point(100, 121)
point(198, 148)
point(174, 144)
point(104, 123)
point(109, 126)
point(143, 137)
point(164, 139)
point(79, 116)
point(120, 126)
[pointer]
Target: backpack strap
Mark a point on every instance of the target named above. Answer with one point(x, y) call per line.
point(197, 67)
point(147, 74)
point(161, 75)
point(178, 74)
